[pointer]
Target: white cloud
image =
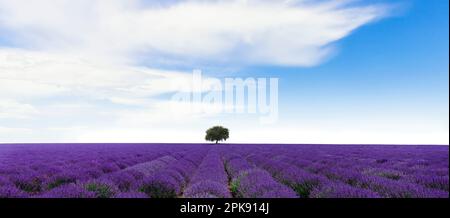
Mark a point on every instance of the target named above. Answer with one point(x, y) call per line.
point(9, 134)
point(78, 80)
point(11, 109)
point(26, 74)
point(280, 32)
point(56, 94)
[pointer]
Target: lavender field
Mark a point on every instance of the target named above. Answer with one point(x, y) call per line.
point(223, 171)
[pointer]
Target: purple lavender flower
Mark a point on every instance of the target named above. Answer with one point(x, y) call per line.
point(60, 179)
point(101, 188)
point(136, 174)
point(70, 191)
point(398, 189)
point(124, 180)
point(185, 167)
point(237, 165)
point(256, 183)
point(92, 172)
point(202, 195)
point(4, 181)
point(109, 167)
point(208, 189)
point(341, 190)
point(10, 191)
point(301, 181)
point(279, 193)
point(131, 195)
point(432, 181)
point(148, 168)
point(211, 168)
point(29, 182)
point(161, 186)
point(210, 178)
point(39, 170)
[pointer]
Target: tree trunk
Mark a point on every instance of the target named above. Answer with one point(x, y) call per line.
point(217, 141)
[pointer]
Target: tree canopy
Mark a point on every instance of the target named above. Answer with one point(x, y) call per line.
point(217, 134)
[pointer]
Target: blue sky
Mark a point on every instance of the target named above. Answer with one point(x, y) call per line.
point(385, 79)
point(397, 67)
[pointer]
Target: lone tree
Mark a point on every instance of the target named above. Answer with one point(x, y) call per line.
point(217, 133)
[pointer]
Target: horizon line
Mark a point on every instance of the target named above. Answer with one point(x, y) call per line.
point(192, 143)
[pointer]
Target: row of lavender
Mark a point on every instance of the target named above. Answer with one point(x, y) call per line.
point(354, 171)
point(205, 171)
point(192, 171)
point(95, 170)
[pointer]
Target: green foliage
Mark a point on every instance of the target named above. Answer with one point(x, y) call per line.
point(234, 188)
point(59, 181)
point(391, 175)
point(101, 190)
point(217, 133)
point(303, 189)
point(158, 191)
point(31, 186)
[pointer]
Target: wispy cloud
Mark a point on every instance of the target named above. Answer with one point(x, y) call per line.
point(75, 65)
point(280, 32)
point(11, 109)
point(52, 93)
point(51, 74)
